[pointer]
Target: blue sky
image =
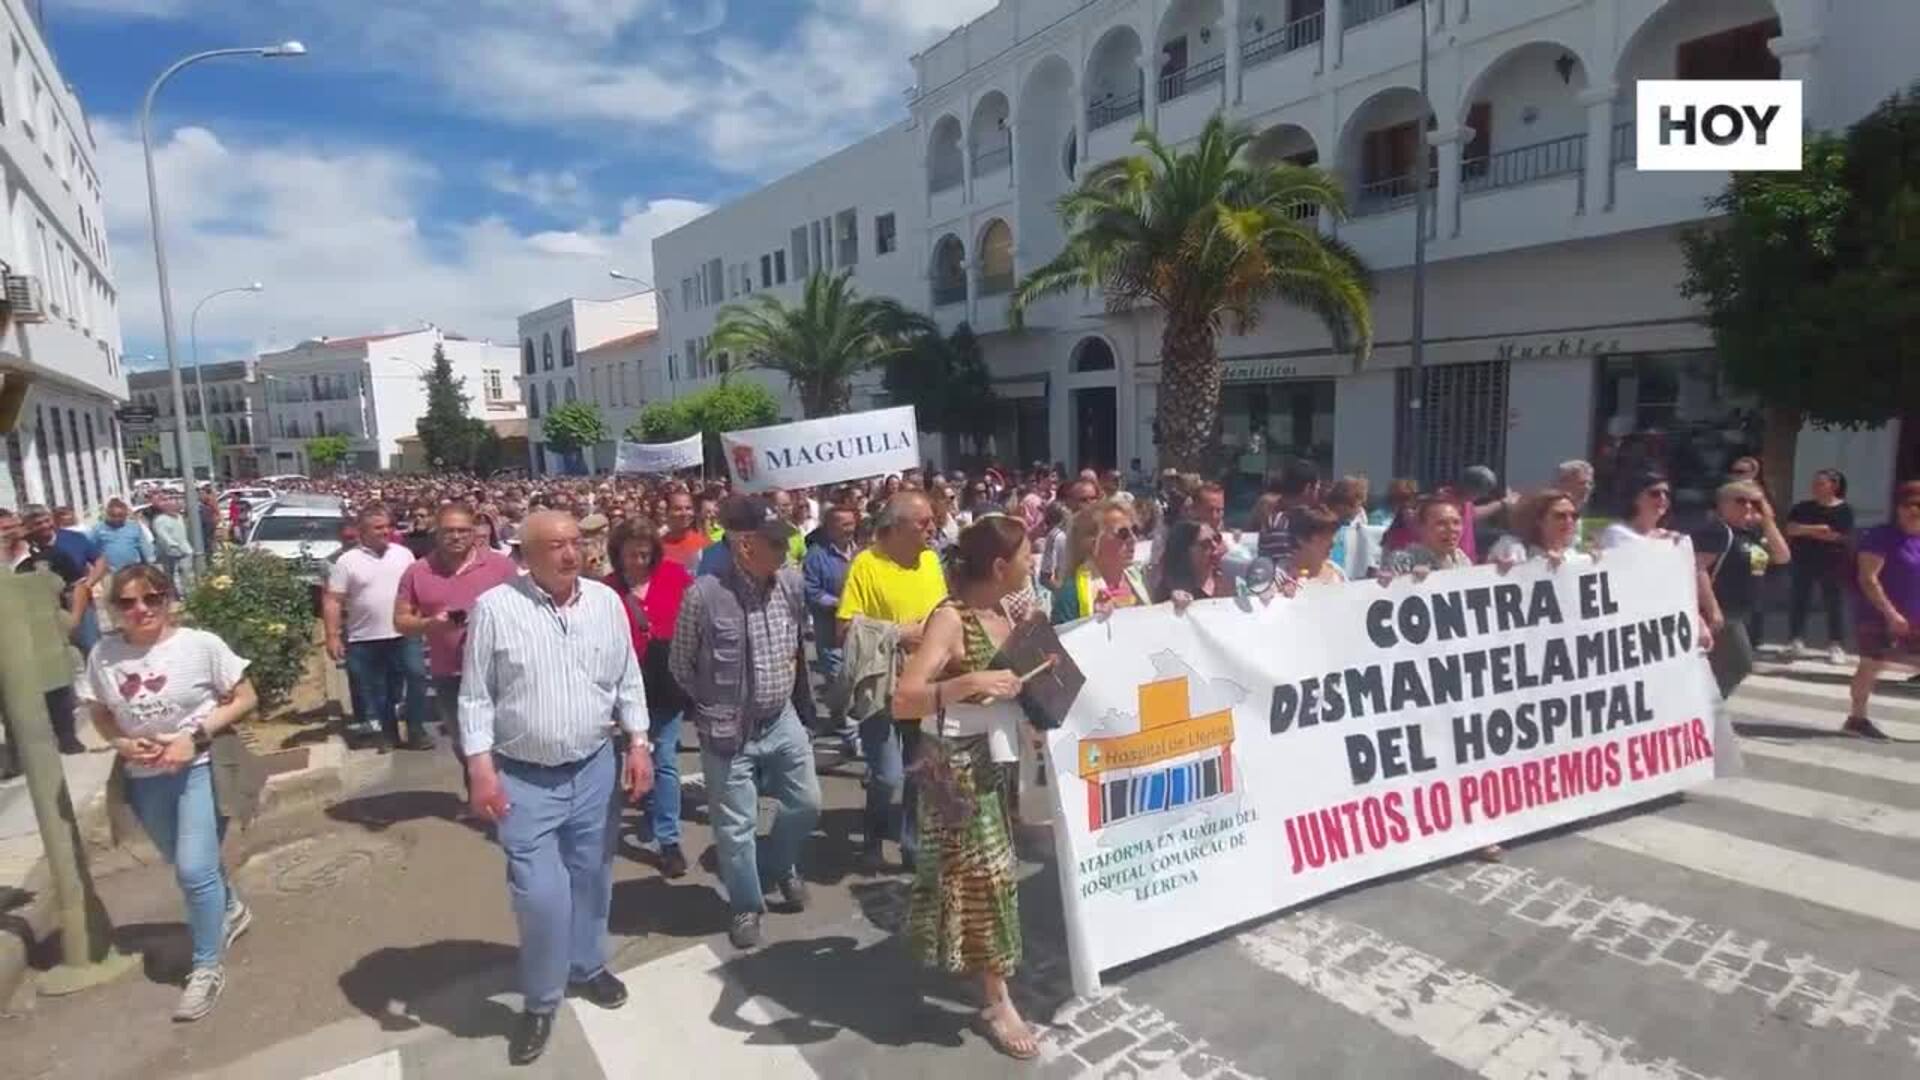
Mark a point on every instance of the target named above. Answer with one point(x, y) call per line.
point(456, 161)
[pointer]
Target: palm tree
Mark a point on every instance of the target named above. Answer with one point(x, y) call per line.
point(820, 345)
point(1208, 238)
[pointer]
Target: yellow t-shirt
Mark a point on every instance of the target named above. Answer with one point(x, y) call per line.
point(880, 588)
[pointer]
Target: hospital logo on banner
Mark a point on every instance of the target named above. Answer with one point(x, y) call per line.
point(1175, 760)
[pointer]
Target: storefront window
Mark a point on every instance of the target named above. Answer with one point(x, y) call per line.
point(1672, 412)
point(1262, 424)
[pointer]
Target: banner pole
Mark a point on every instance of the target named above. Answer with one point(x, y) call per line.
point(1080, 962)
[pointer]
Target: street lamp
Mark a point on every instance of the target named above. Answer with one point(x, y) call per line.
point(195, 537)
point(199, 383)
point(618, 276)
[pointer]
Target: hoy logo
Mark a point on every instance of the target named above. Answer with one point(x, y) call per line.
point(1718, 125)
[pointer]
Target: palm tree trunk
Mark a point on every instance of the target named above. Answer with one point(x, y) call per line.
point(1189, 395)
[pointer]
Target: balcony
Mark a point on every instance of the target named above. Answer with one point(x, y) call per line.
point(1178, 84)
point(1524, 164)
point(1365, 11)
point(1391, 193)
point(993, 159)
point(1112, 110)
point(996, 283)
point(1292, 37)
point(948, 293)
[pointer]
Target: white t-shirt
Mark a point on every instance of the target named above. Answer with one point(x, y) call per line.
point(155, 692)
point(368, 585)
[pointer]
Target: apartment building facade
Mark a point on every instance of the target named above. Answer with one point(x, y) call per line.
point(61, 378)
point(234, 401)
point(554, 341)
point(1555, 328)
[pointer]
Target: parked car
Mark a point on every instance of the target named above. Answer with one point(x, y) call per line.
point(301, 527)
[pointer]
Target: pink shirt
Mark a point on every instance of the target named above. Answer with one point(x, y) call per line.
point(432, 591)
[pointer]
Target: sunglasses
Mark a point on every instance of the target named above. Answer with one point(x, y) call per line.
point(1660, 493)
point(152, 601)
point(1123, 533)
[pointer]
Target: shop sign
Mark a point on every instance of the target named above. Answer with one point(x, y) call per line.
point(1545, 348)
point(1273, 368)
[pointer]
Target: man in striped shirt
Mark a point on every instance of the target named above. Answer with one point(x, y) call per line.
point(550, 669)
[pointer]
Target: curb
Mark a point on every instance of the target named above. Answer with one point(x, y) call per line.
point(22, 930)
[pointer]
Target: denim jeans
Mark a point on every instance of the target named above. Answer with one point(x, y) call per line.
point(389, 677)
point(179, 815)
point(777, 762)
point(888, 749)
point(663, 802)
point(559, 834)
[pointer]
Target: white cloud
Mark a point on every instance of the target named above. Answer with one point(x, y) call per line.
point(557, 191)
point(336, 234)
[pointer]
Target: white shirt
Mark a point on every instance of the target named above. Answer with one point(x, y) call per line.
point(368, 585)
point(155, 692)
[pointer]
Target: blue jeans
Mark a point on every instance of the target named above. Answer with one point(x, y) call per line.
point(663, 802)
point(776, 762)
point(559, 833)
point(179, 815)
point(888, 749)
point(384, 675)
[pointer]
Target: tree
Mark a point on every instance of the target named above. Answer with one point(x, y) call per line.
point(945, 379)
point(449, 437)
point(573, 428)
point(327, 452)
point(1811, 281)
point(1208, 238)
point(733, 405)
point(820, 345)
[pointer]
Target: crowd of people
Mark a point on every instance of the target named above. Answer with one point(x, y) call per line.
point(562, 632)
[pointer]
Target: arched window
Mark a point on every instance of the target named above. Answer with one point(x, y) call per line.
point(949, 271)
point(570, 393)
point(319, 423)
point(246, 431)
point(1093, 354)
point(533, 402)
point(546, 353)
point(526, 355)
point(996, 259)
point(566, 348)
point(552, 398)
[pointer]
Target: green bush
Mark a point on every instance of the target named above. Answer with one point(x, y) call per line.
point(264, 613)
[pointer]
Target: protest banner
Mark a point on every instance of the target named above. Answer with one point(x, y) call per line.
point(825, 451)
point(633, 457)
point(1249, 755)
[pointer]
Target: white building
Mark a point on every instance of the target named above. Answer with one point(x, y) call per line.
point(370, 390)
point(622, 376)
point(1554, 323)
point(234, 402)
point(551, 341)
point(60, 358)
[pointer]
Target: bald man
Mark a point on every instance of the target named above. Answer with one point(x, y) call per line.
point(550, 668)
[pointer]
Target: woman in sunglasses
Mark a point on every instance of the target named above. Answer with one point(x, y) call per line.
point(167, 697)
point(1100, 574)
point(1645, 517)
point(1190, 569)
point(1734, 552)
point(1546, 526)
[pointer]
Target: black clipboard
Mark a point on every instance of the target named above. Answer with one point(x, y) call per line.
point(1050, 678)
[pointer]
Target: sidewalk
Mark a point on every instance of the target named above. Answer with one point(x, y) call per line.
point(27, 903)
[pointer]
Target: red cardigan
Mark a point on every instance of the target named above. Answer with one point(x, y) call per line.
point(669, 585)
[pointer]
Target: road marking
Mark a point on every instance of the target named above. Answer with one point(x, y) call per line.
point(1836, 691)
point(1821, 754)
point(1890, 899)
point(688, 1017)
point(1792, 984)
point(1842, 810)
point(1473, 1023)
point(378, 1067)
point(1780, 712)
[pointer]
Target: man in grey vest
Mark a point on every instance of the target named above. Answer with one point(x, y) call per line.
point(736, 653)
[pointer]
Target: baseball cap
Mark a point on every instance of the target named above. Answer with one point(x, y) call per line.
point(751, 513)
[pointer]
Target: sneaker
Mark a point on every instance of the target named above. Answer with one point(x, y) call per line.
point(1864, 728)
point(203, 990)
point(1794, 650)
point(1836, 655)
point(673, 862)
point(239, 919)
point(745, 931)
point(794, 890)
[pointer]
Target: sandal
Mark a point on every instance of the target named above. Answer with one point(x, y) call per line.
point(991, 1023)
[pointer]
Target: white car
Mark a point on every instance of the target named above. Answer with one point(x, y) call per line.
point(301, 527)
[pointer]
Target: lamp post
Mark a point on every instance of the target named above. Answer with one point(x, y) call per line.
point(286, 49)
point(199, 383)
point(1417, 403)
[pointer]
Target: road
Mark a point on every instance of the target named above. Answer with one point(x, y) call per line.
point(1763, 927)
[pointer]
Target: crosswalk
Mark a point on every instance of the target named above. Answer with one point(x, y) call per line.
point(1765, 925)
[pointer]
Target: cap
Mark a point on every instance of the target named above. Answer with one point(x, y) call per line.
point(751, 513)
point(593, 523)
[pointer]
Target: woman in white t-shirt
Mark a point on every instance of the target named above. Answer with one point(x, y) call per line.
point(159, 693)
point(1546, 526)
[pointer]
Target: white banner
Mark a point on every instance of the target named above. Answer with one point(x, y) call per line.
point(825, 451)
point(1245, 757)
point(633, 457)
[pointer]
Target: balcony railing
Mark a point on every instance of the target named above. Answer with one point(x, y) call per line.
point(996, 284)
point(1625, 149)
point(1391, 193)
point(1297, 34)
point(1524, 164)
point(1180, 83)
point(1305, 211)
point(949, 292)
point(1112, 110)
point(1365, 11)
point(992, 159)
point(945, 179)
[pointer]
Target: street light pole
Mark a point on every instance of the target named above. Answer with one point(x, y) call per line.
point(1418, 372)
point(199, 383)
point(180, 436)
